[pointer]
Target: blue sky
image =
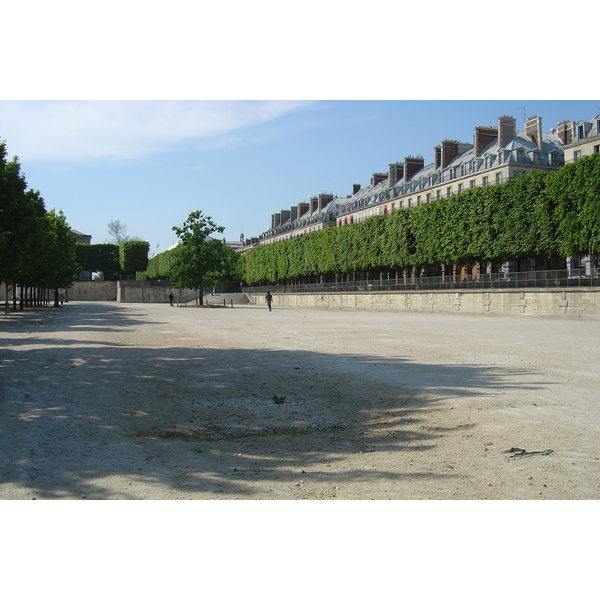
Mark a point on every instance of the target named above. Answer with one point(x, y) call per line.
point(150, 163)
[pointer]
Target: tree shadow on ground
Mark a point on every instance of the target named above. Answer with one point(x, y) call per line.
point(201, 420)
point(96, 316)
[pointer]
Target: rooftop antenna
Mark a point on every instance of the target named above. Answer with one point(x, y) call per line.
point(524, 114)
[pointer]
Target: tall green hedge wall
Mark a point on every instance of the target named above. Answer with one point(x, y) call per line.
point(159, 267)
point(133, 256)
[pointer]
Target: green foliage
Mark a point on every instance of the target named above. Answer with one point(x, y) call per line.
point(37, 248)
point(576, 190)
point(14, 213)
point(542, 214)
point(133, 256)
point(98, 257)
point(159, 267)
point(198, 260)
point(59, 259)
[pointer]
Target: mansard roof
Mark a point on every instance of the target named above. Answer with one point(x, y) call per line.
point(550, 143)
point(519, 148)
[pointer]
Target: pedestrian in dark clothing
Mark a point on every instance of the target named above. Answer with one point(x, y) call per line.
point(171, 298)
point(269, 299)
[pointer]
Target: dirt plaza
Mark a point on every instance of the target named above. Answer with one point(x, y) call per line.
point(100, 400)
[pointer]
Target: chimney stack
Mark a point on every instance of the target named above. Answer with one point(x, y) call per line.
point(507, 129)
point(324, 200)
point(378, 178)
point(564, 130)
point(437, 157)
point(395, 173)
point(533, 130)
point(355, 188)
point(450, 151)
point(314, 204)
point(303, 208)
point(482, 137)
point(412, 165)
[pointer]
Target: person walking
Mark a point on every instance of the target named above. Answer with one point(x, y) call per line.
point(171, 296)
point(269, 299)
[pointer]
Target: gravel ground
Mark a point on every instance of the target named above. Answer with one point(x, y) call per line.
point(144, 401)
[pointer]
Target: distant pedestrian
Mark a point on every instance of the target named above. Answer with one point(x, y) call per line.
point(62, 299)
point(171, 296)
point(269, 299)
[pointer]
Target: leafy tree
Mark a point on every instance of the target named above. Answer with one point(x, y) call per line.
point(228, 270)
point(198, 260)
point(31, 233)
point(37, 248)
point(59, 259)
point(13, 210)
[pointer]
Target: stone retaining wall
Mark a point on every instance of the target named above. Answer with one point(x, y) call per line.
point(155, 294)
point(92, 290)
point(117, 291)
point(503, 302)
point(80, 290)
point(581, 301)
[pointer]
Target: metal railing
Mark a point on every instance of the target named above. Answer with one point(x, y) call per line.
point(526, 279)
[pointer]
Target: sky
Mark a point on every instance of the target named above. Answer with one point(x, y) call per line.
point(151, 163)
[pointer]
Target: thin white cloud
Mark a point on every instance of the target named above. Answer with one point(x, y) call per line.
point(79, 131)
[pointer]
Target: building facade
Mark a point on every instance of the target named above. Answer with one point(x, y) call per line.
point(81, 238)
point(582, 138)
point(316, 214)
point(496, 154)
